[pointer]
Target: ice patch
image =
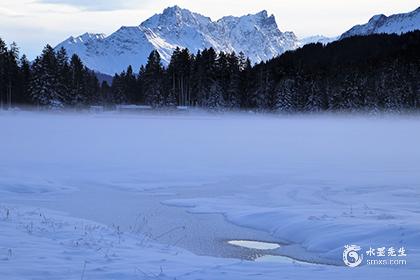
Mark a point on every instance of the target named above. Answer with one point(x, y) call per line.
point(258, 245)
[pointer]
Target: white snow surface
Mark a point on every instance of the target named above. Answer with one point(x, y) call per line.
point(257, 36)
point(398, 24)
point(317, 39)
point(70, 184)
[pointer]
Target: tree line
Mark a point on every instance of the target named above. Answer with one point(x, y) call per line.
point(206, 79)
point(362, 73)
point(52, 80)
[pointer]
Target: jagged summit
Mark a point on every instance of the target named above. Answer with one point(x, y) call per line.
point(256, 35)
point(86, 37)
point(175, 16)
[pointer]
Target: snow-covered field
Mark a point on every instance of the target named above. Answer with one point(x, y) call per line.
point(113, 196)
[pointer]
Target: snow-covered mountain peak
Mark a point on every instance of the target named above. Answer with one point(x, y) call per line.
point(260, 27)
point(174, 17)
point(256, 35)
point(173, 9)
point(378, 18)
point(178, 13)
point(258, 19)
point(262, 15)
point(85, 38)
point(92, 36)
point(398, 23)
point(317, 39)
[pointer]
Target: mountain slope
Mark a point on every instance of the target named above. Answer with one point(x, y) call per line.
point(398, 23)
point(257, 36)
point(317, 39)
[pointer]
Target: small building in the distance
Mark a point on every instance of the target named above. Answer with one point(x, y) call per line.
point(133, 108)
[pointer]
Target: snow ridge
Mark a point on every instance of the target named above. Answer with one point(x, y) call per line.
point(317, 39)
point(398, 24)
point(256, 35)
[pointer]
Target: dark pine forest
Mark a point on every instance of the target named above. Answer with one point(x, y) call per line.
point(363, 73)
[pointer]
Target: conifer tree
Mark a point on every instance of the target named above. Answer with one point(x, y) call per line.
point(45, 88)
point(24, 78)
point(3, 73)
point(77, 88)
point(12, 74)
point(153, 81)
point(285, 92)
point(214, 100)
point(233, 96)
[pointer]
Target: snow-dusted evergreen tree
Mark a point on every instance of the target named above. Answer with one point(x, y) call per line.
point(263, 94)
point(414, 84)
point(3, 76)
point(139, 96)
point(130, 83)
point(313, 97)
point(246, 81)
point(56, 83)
point(76, 93)
point(45, 88)
point(393, 96)
point(375, 99)
point(153, 81)
point(233, 95)
point(92, 87)
point(178, 77)
point(350, 93)
point(24, 82)
point(214, 100)
point(286, 96)
point(9, 71)
point(170, 99)
point(125, 87)
point(118, 89)
point(204, 73)
point(222, 73)
point(12, 74)
point(106, 97)
point(63, 71)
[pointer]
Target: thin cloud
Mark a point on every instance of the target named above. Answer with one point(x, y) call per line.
point(96, 5)
point(9, 13)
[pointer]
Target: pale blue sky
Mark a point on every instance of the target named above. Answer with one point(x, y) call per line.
point(33, 23)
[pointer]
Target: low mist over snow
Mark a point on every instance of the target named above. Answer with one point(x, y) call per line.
point(129, 189)
point(236, 142)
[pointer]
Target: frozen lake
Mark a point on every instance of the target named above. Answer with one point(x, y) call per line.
point(143, 213)
point(179, 188)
